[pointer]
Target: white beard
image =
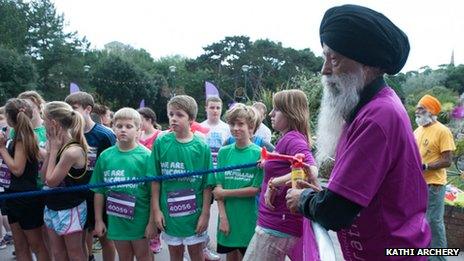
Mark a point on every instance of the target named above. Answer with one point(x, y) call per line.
point(341, 95)
point(425, 119)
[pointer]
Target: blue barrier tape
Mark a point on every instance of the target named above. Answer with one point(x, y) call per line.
point(117, 183)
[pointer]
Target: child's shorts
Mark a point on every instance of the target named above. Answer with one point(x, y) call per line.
point(67, 221)
point(187, 241)
point(27, 212)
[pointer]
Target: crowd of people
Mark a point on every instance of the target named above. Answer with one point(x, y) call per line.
point(386, 189)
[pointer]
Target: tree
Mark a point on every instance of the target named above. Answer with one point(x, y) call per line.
point(119, 83)
point(455, 80)
point(13, 25)
point(58, 55)
point(17, 74)
point(139, 57)
point(269, 64)
point(418, 82)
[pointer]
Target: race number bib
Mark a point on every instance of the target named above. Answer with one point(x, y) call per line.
point(120, 205)
point(5, 176)
point(91, 158)
point(182, 203)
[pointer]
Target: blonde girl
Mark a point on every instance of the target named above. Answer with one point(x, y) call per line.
point(65, 214)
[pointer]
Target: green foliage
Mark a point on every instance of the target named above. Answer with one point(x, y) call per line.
point(459, 147)
point(455, 80)
point(270, 65)
point(119, 83)
point(312, 86)
point(13, 25)
point(447, 97)
point(17, 74)
point(139, 57)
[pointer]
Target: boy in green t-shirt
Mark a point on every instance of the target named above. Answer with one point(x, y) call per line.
point(127, 206)
point(181, 206)
point(236, 190)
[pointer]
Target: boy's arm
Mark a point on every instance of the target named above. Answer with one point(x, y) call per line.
point(202, 224)
point(223, 221)
point(156, 210)
point(155, 187)
point(150, 229)
point(241, 192)
point(99, 201)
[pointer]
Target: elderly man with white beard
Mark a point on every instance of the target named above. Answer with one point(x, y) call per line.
point(376, 196)
point(436, 144)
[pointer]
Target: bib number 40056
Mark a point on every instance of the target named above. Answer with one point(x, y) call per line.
point(182, 203)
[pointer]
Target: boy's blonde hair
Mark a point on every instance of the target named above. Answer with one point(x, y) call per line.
point(213, 99)
point(185, 103)
point(127, 113)
point(242, 111)
point(294, 106)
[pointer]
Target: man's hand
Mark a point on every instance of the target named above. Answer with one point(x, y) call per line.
point(293, 197)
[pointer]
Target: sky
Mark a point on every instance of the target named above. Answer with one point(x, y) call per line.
point(177, 27)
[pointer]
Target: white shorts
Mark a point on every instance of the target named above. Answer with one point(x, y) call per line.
point(187, 241)
point(67, 221)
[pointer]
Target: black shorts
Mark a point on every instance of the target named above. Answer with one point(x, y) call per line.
point(90, 221)
point(28, 212)
point(3, 208)
point(225, 249)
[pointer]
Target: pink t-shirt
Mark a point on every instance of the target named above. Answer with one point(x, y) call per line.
point(281, 219)
point(148, 143)
point(378, 166)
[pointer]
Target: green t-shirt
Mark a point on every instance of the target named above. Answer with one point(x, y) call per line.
point(41, 134)
point(185, 195)
point(116, 165)
point(242, 212)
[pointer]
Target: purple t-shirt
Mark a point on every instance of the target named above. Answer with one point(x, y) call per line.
point(378, 166)
point(281, 219)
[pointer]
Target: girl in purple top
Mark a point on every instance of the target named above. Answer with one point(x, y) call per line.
point(278, 229)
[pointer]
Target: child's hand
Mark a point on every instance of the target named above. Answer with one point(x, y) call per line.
point(55, 143)
point(218, 193)
point(100, 228)
point(3, 139)
point(224, 225)
point(159, 220)
point(269, 196)
point(302, 184)
point(202, 224)
point(150, 230)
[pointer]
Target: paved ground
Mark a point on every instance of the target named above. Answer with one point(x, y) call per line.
point(5, 254)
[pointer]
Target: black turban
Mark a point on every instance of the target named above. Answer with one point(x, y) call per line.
point(365, 36)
